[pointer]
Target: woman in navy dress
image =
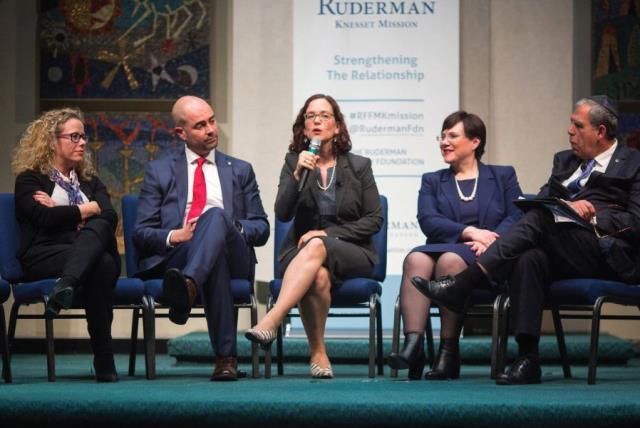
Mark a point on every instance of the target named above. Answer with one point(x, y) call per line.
point(462, 210)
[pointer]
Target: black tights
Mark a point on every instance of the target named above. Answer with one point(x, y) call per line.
point(415, 305)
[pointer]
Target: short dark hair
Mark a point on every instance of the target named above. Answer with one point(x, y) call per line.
point(342, 141)
point(473, 128)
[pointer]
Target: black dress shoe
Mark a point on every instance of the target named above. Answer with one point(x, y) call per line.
point(179, 292)
point(105, 368)
point(523, 371)
point(444, 292)
point(447, 366)
point(61, 297)
point(411, 357)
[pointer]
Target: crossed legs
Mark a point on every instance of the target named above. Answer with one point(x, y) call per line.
point(306, 283)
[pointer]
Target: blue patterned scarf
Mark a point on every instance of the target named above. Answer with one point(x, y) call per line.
point(72, 186)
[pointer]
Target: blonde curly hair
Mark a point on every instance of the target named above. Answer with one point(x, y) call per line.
point(34, 152)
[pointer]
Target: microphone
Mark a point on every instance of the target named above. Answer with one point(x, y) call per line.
point(314, 146)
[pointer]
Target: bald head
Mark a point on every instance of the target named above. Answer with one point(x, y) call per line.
point(195, 124)
point(184, 105)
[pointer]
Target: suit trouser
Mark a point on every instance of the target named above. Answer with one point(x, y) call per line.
point(537, 251)
point(92, 259)
point(216, 253)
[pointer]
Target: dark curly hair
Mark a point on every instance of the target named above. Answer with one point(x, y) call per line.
point(342, 141)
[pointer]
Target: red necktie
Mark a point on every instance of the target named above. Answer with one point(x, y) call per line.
point(199, 191)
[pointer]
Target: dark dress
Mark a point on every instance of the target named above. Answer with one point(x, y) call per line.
point(348, 211)
point(443, 215)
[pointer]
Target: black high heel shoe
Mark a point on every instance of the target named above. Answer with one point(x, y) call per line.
point(411, 357)
point(61, 297)
point(447, 366)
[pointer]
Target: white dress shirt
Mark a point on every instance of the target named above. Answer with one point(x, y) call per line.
point(602, 161)
point(212, 181)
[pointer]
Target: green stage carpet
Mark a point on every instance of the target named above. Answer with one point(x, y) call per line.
point(183, 397)
point(612, 350)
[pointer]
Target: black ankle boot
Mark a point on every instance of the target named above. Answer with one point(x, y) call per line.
point(446, 366)
point(61, 296)
point(105, 368)
point(411, 357)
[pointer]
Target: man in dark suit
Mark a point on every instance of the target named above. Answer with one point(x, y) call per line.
point(199, 217)
point(600, 180)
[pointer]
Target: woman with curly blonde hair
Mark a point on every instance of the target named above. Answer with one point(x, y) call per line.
point(68, 226)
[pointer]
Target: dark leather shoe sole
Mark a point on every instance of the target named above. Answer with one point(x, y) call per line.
point(523, 371)
point(224, 376)
point(504, 379)
point(425, 287)
point(60, 298)
point(440, 375)
point(174, 290)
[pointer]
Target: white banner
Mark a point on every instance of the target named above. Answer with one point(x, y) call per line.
point(393, 66)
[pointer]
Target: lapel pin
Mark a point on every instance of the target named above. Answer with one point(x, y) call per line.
point(228, 162)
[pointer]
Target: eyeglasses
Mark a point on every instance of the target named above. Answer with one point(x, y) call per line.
point(323, 115)
point(75, 137)
point(450, 136)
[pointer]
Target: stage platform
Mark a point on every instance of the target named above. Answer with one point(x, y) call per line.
point(182, 396)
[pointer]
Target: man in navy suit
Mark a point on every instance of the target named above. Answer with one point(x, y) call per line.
point(199, 217)
point(600, 180)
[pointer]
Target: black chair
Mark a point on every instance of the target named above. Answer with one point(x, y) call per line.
point(583, 298)
point(484, 304)
point(353, 293)
point(128, 291)
point(242, 290)
point(5, 291)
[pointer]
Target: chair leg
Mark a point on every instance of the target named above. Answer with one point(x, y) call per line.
point(372, 334)
point(395, 338)
point(133, 346)
point(503, 336)
point(267, 352)
point(562, 347)
point(380, 356)
point(149, 328)
point(255, 356)
point(13, 321)
point(280, 348)
point(431, 353)
point(51, 363)
point(495, 326)
point(595, 336)
point(4, 345)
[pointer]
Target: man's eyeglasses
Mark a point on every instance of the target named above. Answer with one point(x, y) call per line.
point(75, 137)
point(323, 115)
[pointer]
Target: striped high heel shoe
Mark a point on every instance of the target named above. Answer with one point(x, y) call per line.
point(264, 338)
point(318, 372)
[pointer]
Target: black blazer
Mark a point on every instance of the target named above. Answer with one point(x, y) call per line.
point(615, 195)
point(40, 225)
point(359, 214)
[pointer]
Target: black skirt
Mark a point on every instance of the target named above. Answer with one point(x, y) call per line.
point(344, 260)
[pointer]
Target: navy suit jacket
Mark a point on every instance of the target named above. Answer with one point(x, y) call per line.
point(163, 200)
point(439, 204)
point(615, 195)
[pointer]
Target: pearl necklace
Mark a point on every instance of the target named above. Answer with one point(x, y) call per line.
point(473, 192)
point(324, 188)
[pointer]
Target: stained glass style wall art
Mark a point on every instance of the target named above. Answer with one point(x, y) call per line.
point(122, 144)
point(124, 49)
